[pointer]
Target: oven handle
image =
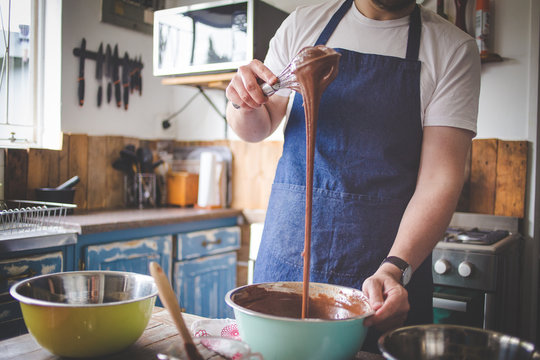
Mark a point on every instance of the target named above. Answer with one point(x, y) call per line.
point(447, 304)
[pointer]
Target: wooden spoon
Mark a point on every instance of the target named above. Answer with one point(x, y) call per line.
point(166, 294)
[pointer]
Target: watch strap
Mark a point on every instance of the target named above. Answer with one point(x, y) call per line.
point(401, 265)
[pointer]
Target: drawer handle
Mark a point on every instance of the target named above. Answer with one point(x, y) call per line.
point(213, 242)
point(27, 274)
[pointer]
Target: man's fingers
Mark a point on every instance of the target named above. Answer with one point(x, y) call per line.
point(244, 89)
point(374, 291)
point(263, 72)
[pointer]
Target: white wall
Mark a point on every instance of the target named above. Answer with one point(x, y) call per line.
point(143, 118)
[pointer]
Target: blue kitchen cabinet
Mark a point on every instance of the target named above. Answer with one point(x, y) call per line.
point(131, 255)
point(205, 270)
point(18, 266)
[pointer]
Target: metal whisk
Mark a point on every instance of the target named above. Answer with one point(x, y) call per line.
point(286, 80)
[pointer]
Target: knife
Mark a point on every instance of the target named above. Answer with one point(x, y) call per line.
point(125, 79)
point(80, 80)
point(139, 76)
point(108, 72)
point(116, 79)
point(99, 73)
point(440, 9)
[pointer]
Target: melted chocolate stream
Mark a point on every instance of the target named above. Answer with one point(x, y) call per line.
point(315, 67)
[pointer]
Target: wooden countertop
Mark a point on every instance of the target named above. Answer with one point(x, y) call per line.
point(111, 220)
point(159, 335)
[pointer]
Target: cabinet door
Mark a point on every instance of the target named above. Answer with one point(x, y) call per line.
point(201, 284)
point(132, 255)
point(17, 269)
point(196, 244)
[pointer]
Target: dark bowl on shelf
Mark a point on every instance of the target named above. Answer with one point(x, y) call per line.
point(64, 196)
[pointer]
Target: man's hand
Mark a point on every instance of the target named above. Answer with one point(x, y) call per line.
point(244, 90)
point(387, 297)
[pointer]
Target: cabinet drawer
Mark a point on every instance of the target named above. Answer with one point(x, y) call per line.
point(207, 242)
point(17, 269)
point(131, 256)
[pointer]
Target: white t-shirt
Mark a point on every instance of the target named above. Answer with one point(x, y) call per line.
point(450, 74)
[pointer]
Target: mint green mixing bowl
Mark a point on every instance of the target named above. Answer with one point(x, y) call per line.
point(283, 338)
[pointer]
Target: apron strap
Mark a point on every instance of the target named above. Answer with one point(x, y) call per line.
point(415, 27)
point(333, 23)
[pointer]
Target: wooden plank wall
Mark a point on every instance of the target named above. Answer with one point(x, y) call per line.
point(495, 182)
point(89, 157)
point(498, 177)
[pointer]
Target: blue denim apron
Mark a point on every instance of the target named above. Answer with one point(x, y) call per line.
point(367, 155)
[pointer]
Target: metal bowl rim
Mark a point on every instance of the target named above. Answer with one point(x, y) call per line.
point(384, 351)
point(31, 301)
point(242, 309)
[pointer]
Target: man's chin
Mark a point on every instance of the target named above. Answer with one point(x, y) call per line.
point(393, 5)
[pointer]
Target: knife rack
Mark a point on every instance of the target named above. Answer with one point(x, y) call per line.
point(134, 67)
point(93, 55)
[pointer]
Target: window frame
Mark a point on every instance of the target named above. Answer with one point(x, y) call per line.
point(46, 49)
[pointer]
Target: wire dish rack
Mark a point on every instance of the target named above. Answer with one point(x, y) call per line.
point(22, 216)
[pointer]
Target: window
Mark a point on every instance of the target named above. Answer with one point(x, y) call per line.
point(30, 62)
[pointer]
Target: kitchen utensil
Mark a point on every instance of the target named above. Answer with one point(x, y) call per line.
point(124, 166)
point(145, 157)
point(461, 7)
point(440, 9)
point(125, 79)
point(280, 337)
point(69, 183)
point(213, 348)
point(64, 196)
point(80, 80)
point(452, 342)
point(108, 71)
point(287, 78)
point(86, 313)
point(99, 73)
point(115, 77)
point(168, 298)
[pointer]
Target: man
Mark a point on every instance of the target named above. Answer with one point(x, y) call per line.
point(394, 130)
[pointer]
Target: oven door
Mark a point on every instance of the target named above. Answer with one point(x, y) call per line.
point(459, 306)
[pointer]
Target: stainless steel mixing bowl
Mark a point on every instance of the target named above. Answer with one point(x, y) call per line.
point(86, 313)
point(452, 342)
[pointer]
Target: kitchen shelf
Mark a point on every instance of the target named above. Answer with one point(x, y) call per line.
point(490, 57)
point(212, 81)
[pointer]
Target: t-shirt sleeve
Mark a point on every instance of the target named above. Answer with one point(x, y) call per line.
point(455, 99)
point(280, 49)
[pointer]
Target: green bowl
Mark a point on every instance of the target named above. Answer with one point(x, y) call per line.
point(86, 313)
point(282, 338)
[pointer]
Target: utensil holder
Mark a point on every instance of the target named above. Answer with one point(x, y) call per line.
point(140, 190)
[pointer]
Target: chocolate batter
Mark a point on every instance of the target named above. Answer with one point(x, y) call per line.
point(315, 67)
point(288, 304)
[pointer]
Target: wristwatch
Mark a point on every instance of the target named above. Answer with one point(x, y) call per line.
point(406, 270)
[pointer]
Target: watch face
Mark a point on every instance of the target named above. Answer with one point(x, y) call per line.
point(406, 276)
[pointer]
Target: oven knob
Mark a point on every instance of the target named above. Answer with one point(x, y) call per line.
point(441, 266)
point(465, 269)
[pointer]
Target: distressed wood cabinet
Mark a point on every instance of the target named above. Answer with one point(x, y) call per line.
point(21, 265)
point(130, 255)
point(205, 269)
point(198, 257)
